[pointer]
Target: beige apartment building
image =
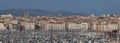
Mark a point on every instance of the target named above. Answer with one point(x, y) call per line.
point(72, 26)
point(28, 25)
point(81, 26)
point(55, 25)
point(106, 27)
point(2, 27)
point(41, 24)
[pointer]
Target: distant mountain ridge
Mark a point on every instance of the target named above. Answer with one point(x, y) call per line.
point(35, 12)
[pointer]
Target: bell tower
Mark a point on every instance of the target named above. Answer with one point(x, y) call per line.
point(26, 14)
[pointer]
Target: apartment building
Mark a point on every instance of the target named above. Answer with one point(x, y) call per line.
point(2, 26)
point(28, 25)
point(72, 26)
point(85, 26)
point(55, 25)
point(7, 15)
point(106, 26)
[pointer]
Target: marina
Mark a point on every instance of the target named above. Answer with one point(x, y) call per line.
point(55, 36)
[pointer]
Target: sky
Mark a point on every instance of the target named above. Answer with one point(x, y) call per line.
point(80, 6)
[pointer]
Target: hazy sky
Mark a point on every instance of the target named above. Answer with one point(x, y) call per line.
point(82, 6)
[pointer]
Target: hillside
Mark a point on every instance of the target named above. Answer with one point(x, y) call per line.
point(34, 12)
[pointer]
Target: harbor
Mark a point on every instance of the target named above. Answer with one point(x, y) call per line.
point(56, 36)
